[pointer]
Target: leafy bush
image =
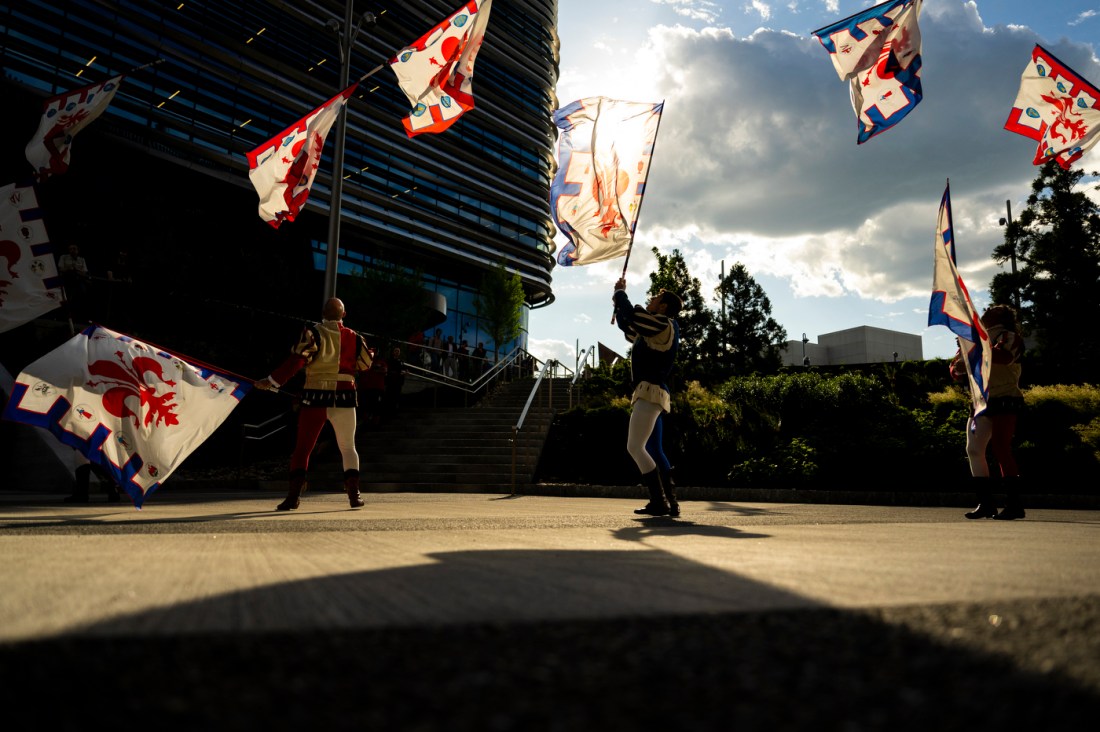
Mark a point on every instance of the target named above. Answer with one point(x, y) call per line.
point(1054, 431)
point(846, 429)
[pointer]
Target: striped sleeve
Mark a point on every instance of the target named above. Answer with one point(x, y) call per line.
point(648, 325)
point(637, 322)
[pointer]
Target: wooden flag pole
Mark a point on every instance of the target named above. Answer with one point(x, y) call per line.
point(144, 66)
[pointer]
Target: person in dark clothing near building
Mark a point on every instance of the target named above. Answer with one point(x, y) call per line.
point(83, 476)
point(656, 338)
point(395, 381)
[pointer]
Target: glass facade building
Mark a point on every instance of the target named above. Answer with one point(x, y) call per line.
point(165, 168)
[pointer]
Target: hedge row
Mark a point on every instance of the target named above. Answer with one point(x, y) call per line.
point(889, 428)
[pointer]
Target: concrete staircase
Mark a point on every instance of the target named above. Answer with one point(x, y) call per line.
point(462, 449)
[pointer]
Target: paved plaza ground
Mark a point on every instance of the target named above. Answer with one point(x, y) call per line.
point(485, 611)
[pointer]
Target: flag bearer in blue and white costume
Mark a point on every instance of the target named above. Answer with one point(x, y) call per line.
point(656, 338)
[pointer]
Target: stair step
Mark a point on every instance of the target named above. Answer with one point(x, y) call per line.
point(463, 448)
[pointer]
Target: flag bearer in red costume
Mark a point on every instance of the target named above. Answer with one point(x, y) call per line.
point(332, 356)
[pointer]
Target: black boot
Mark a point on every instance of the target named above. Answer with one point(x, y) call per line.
point(1014, 505)
point(351, 485)
point(986, 508)
point(298, 486)
point(80, 485)
point(657, 505)
point(670, 493)
point(110, 487)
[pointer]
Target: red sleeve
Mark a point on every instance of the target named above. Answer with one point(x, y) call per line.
point(286, 370)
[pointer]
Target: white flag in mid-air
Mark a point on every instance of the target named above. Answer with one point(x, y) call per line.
point(603, 162)
point(878, 52)
point(29, 284)
point(283, 168)
point(436, 72)
point(1056, 108)
point(129, 407)
point(62, 117)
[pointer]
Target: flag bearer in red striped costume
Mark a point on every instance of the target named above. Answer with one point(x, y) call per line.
point(656, 337)
point(332, 356)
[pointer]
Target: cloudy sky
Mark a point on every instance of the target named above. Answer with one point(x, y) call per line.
point(756, 160)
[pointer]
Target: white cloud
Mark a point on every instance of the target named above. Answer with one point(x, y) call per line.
point(545, 349)
point(1083, 17)
point(701, 10)
point(762, 8)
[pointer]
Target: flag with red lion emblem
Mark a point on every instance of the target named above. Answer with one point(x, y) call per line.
point(878, 51)
point(436, 72)
point(62, 117)
point(951, 306)
point(283, 168)
point(1057, 108)
point(29, 283)
point(603, 163)
point(132, 408)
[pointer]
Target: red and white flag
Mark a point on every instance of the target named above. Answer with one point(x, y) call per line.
point(62, 117)
point(29, 283)
point(283, 168)
point(1057, 108)
point(436, 72)
point(132, 408)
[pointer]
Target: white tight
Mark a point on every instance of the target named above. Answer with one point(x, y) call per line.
point(343, 424)
point(979, 431)
point(643, 417)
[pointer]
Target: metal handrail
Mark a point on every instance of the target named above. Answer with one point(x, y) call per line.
point(580, 359)
point(468, 387)
point(245, 436)
point(246, 427)
point(550, 367)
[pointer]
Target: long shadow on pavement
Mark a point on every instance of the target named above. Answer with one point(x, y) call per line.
point(579, 640)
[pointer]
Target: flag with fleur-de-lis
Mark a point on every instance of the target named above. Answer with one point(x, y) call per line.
point(134, 409)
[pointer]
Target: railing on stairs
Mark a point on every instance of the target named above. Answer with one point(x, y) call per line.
point(248, 430)
point(550, 367)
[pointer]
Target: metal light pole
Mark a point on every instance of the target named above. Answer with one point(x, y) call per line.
point(725, 315)
point(346, 39)
point(805, 358)
point(1011, 234)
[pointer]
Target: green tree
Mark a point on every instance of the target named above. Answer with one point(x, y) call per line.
point(694, 319)
point(745, 339)
point(500, 305)
point(1056, 244)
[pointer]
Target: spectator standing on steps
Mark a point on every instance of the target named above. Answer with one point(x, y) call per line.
point(74, 279)
point(395, 382)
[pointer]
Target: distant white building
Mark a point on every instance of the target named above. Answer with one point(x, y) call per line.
point(864, 344)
